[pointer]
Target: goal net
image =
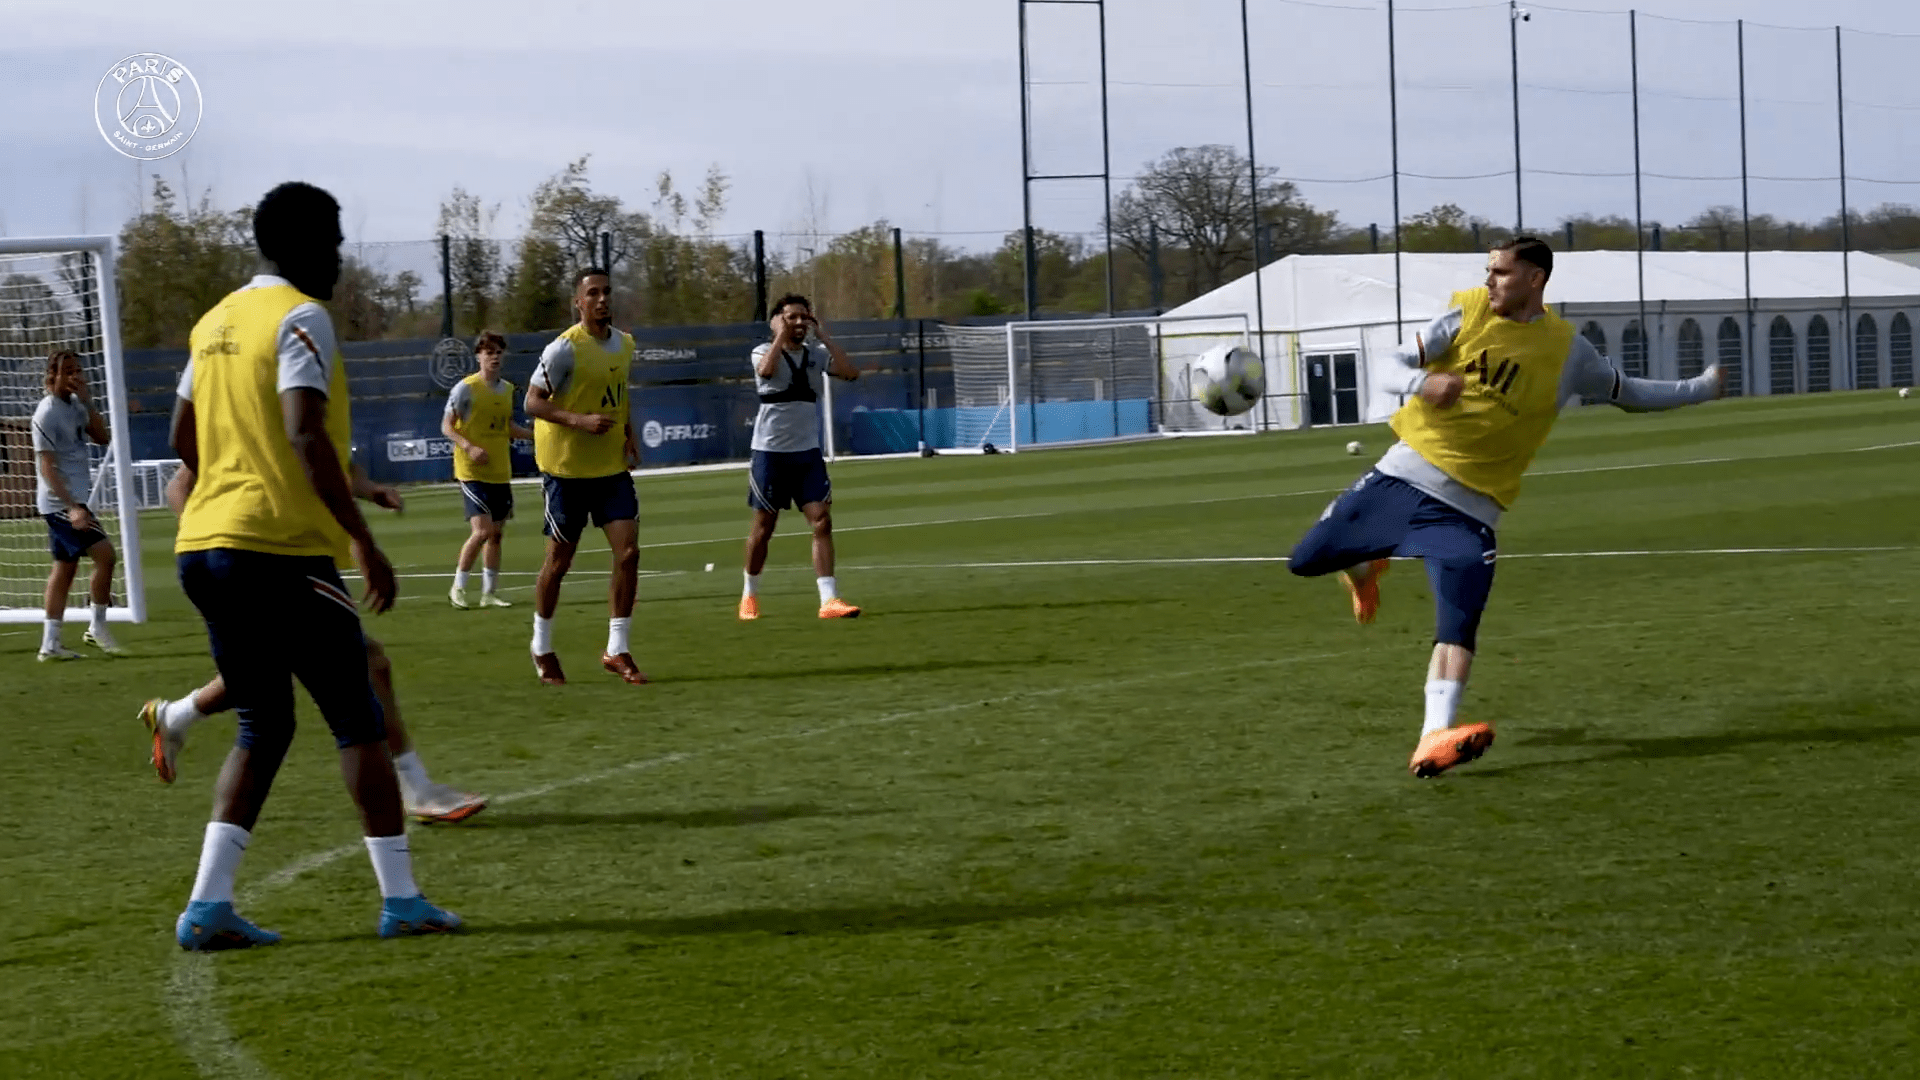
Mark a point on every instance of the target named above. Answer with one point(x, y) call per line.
point(1078, 381)
point(59, 294)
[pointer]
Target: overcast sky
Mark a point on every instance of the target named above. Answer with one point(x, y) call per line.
point(830, 113)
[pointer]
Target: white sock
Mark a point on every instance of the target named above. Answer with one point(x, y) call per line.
point(219, 860)
point(393, 866)
point(1443, 701)
point(618, 634)
point(753, 585)
point(412, 773)
point(459, 578)
point(828, 588)
point(99, 618)
point(181, 715)
point(542, 636)
point(50, 636)
point(490, 580)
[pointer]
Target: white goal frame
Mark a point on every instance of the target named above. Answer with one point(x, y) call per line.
point(1153, 323)
point(118, 452)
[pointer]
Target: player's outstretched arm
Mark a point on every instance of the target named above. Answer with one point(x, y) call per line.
point(1590, 375)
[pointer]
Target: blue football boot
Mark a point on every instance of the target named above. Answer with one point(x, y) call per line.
point(212, 925)
point(405, 917)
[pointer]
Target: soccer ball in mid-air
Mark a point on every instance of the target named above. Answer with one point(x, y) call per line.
point(1905, 390)
point(1354, 447)
point(1227, 380)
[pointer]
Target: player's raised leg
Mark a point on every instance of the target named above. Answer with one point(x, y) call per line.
point(1355, 535)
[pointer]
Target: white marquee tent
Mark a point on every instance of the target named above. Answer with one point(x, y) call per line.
point(1331, 321)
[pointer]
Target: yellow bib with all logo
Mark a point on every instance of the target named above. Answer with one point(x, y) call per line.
point(251, 492)
point(1512, 369)
point(489, 425)
point(598, 387)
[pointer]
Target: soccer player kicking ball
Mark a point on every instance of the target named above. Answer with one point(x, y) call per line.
point(262, 420)
point(788, 469)
point(62, 424)
point(583, 442)
point(168, 722)
point(479, 420)
point(1491, 376)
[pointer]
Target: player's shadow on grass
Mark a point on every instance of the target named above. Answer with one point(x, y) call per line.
point(813, 671)
point(828, 922)
point(1058, 605)
point(725, 817)
point(1664, 747)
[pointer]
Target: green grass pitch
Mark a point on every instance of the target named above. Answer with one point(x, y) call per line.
point(1079, 796)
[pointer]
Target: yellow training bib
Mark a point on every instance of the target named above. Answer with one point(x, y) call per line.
point(598, 386)
point(251, 492)
point(488, 425)
point(1487, 439)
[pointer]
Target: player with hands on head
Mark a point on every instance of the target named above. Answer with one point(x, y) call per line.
point(63, 423)
point(1486, 382)
point(168, 722)
point(262, 420)
point(788, 468)
point(584, 444)
point(479, 421)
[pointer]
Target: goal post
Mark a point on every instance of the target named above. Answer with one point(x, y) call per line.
point(59, 293)
point(1072, 382)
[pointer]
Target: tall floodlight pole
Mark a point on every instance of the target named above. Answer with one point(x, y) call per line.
point(1029, 270)
point(1846, 226)
point(1746, 212)
point(1393, 128)
point(1514, 15)
point(1106, 158)
point(1639, 227)
point(1253, 190)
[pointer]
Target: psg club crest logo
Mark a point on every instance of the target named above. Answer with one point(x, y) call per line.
point(147, 106)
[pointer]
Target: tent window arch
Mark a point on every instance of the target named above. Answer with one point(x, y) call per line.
point(1596, 336)
point(1633, 351)
point(1866, 354)
point(1819, 356)
point(1693, 350)
point(1900, 351)
point(1731, 354)
point(1781, 350)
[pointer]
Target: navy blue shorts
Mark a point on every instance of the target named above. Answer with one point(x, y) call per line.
point(481, 499)
point(1382, 515)
point(780, 479)
point(572, 503)
point(272, 619)
point(68, 544)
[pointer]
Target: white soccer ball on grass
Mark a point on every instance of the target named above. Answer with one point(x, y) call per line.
point(1354, 447)
point(1227, 380)
point(1906, 390)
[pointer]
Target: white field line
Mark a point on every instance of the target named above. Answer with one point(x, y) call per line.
point(1230, 559)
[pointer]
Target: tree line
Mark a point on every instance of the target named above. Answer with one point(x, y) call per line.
point(1181, 228)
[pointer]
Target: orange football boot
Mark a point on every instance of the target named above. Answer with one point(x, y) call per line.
point(1442, 750)
point(837, 608)
point(623, 666)
point(547, 666)
point(749, 608)
point(1366, 598)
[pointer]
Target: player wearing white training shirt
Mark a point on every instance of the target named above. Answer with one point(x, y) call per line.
point(62, 425)
point(788, 468)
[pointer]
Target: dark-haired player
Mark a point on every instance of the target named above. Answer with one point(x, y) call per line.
point(479, 420)
point(262, 421)
point(583, 442)
point(63, 423)
point(788, 468)
point(1490, 377)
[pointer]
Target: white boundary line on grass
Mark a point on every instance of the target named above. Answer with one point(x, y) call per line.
point(192, 991)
